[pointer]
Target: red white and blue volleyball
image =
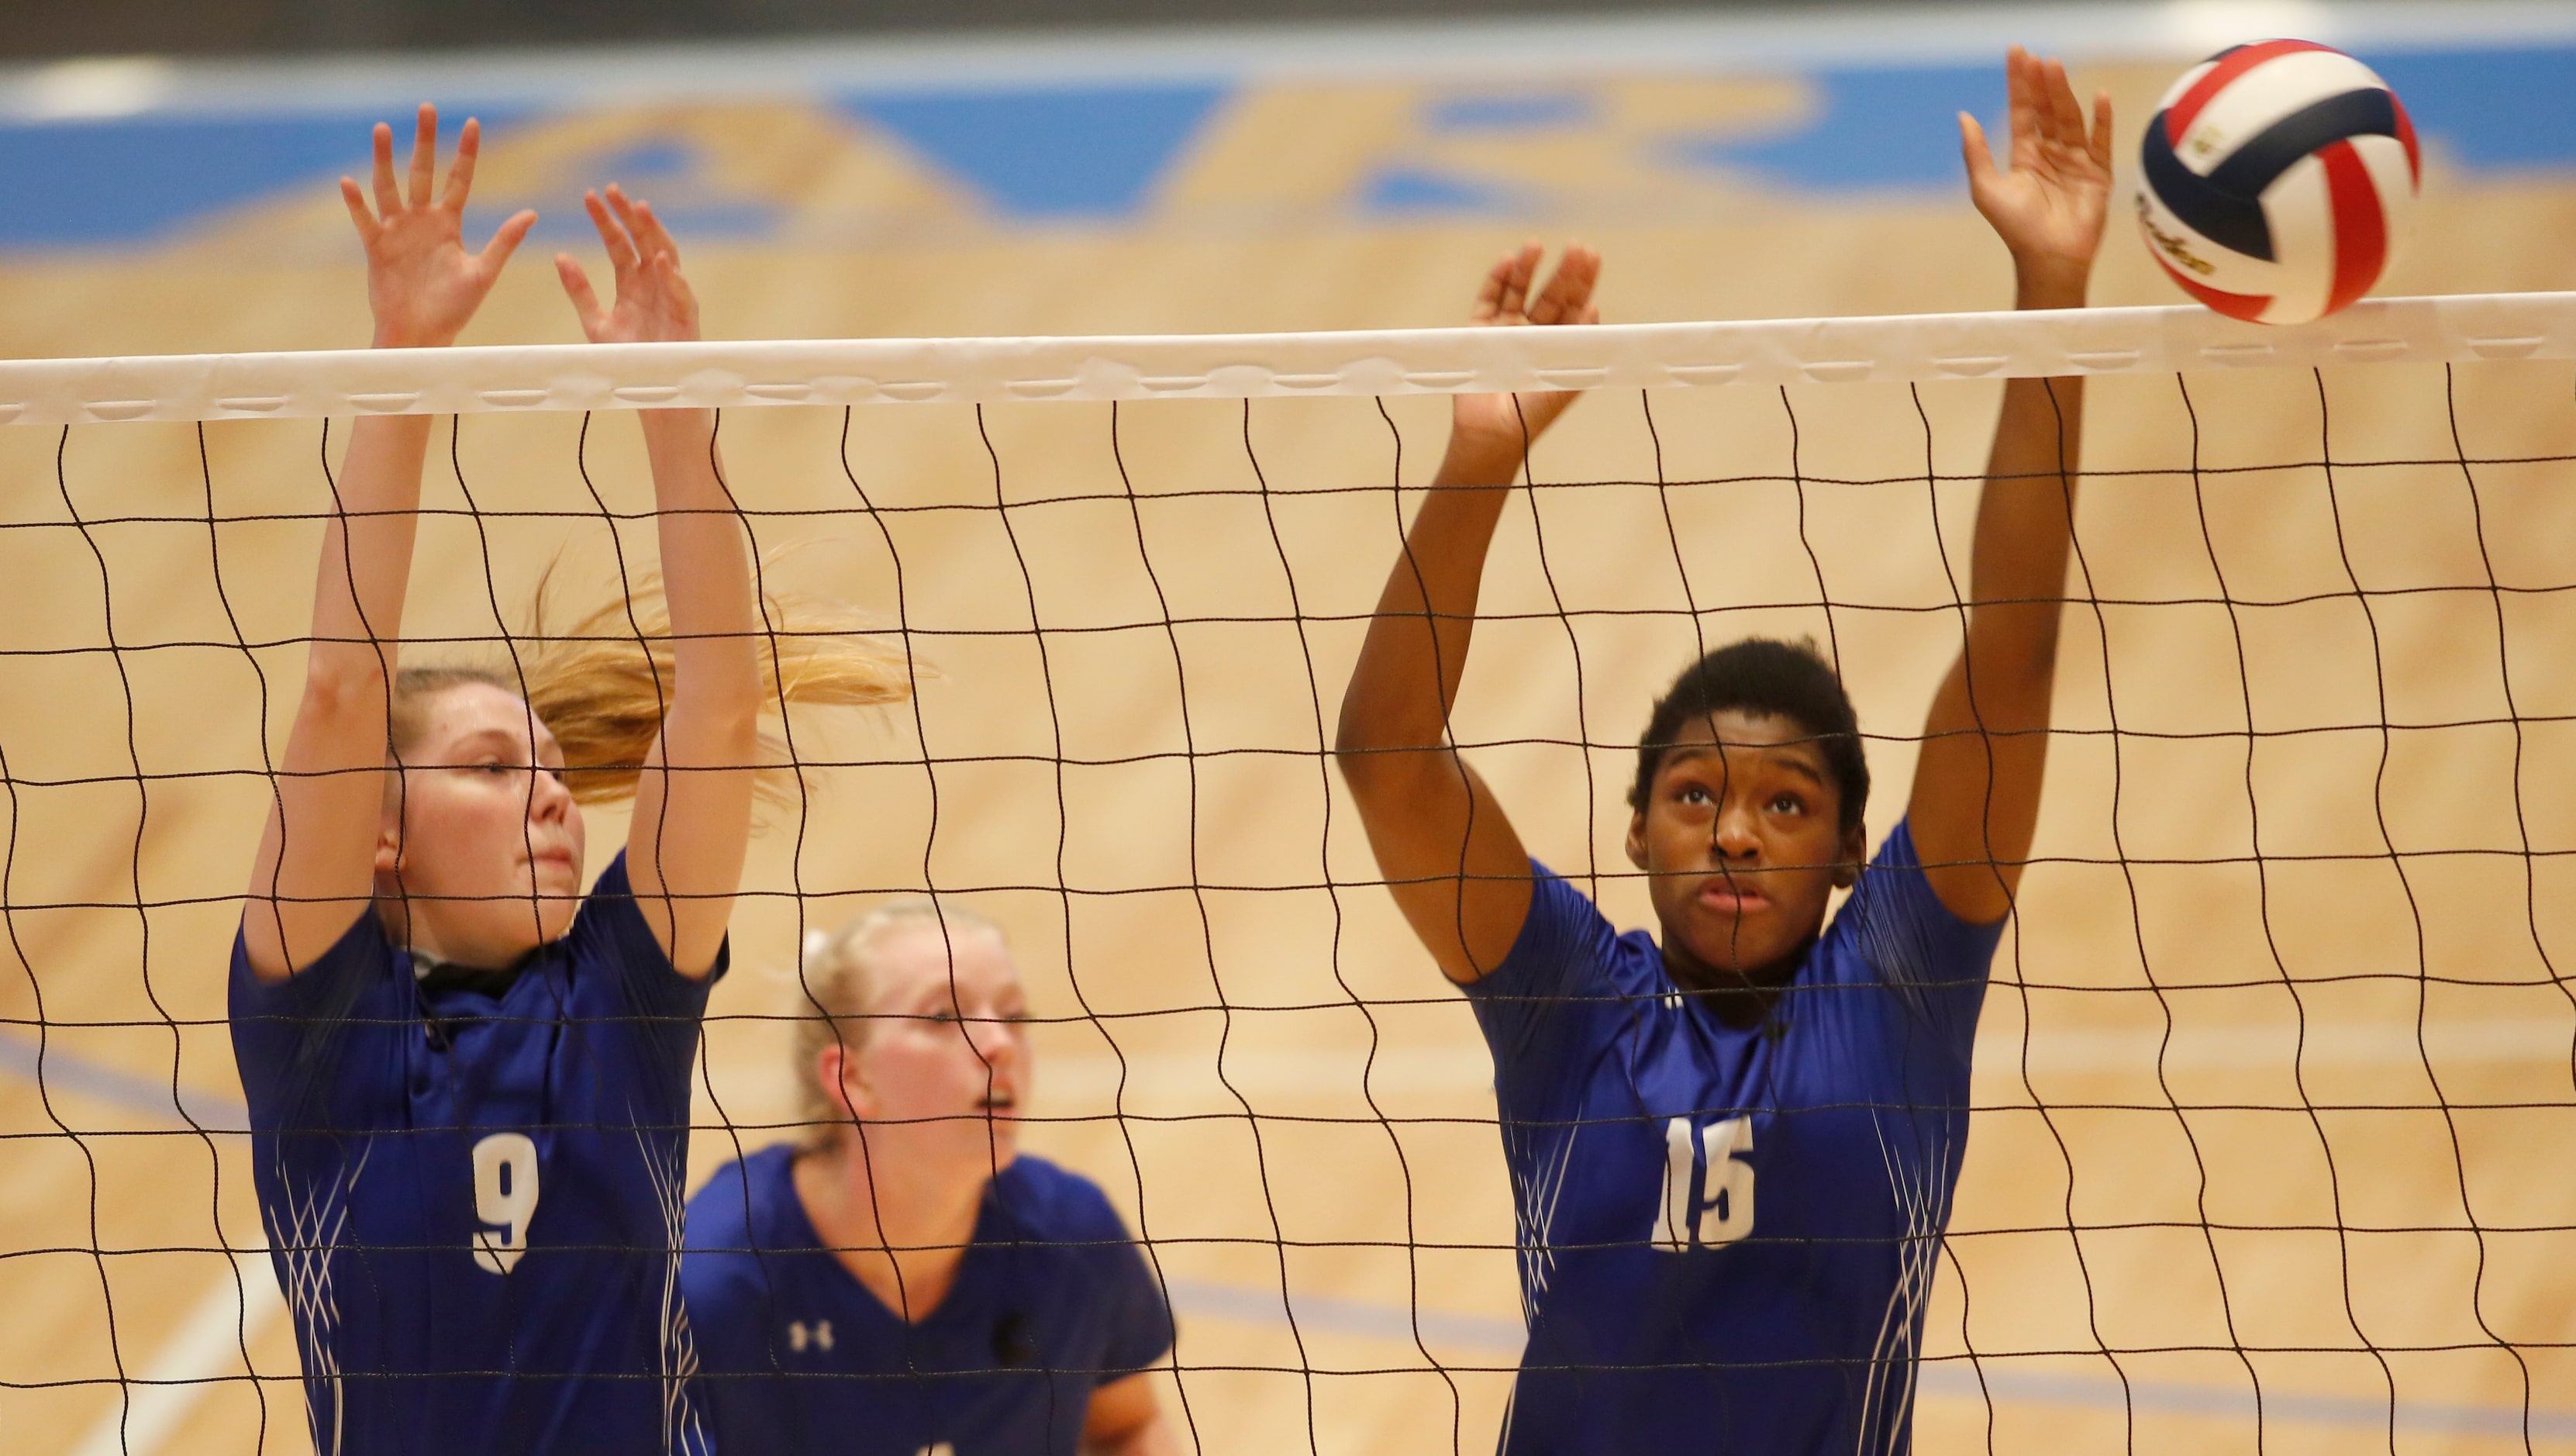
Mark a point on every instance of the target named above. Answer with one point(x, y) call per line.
point(2279, 178)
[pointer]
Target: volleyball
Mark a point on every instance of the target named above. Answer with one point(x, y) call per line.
point(2278, 179)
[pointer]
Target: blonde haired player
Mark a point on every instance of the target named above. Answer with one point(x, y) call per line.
point(468, 1080)
point(907, 1280)
point(1733, 1143)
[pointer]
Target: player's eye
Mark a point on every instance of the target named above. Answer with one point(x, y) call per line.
point(1787, 803)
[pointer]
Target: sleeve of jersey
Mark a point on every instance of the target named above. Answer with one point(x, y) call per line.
point(1552, 1004)
point(282, 1030)
point(1141, 1329)
point(1936, 962)
point(615, 925)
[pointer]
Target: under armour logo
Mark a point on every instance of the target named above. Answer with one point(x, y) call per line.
point(801, 1334)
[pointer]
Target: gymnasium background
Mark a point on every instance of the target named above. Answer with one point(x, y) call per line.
point(1031, 172)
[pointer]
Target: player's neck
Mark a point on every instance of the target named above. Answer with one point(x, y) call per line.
point(408, 928)
point(901, 1238)
point(1742, 999)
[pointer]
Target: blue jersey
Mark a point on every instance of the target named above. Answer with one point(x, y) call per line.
point(795, 1355)
point(473, 1200)
point(1727, 1236)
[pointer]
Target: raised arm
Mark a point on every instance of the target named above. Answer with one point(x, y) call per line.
point(1451, 859)
point(316, 868)
point(1985, 748)
point(692, 825)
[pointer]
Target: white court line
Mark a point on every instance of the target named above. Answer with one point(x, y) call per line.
point(207, 1347)
point(1413, 1071)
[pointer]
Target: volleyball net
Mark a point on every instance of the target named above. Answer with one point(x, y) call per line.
point(2274, 1084)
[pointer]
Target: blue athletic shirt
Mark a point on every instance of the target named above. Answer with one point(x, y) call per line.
point(473, 1202)
point(796, 1355)
point(1727, 1236)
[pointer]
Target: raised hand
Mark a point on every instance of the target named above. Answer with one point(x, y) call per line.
point(653, 304)
point(421, 283)
point(1492, 422)
point(2048, 208)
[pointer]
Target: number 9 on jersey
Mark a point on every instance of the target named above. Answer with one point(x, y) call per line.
point(505, 1195)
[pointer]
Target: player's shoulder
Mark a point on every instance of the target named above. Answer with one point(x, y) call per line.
point(1054, 1204)
point(1895, 925)
point(1567, 931)
point(1892, 885)
point(359, 962)
point(739, 1208)
point(602, 923)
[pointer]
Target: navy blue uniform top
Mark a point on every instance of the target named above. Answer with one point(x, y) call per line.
point(473, 1200)
point(1727, 1236)
point(795, 1355)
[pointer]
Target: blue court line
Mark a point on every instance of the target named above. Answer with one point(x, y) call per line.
point(1326, 1314)
point(65, 1072)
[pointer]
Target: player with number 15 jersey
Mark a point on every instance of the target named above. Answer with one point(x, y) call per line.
point(1732, 1144)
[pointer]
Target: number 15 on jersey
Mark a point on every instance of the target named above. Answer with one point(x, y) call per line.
point(1708, 1190)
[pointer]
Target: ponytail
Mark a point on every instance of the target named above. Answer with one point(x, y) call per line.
point(603, 682)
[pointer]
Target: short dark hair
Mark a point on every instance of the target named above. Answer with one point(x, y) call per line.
point(1771, 679)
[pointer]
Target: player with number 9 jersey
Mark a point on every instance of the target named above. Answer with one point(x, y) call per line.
point(468, 1082)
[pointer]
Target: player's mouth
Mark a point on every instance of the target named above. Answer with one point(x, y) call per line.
point(1732, 897)
point(1000, 1104)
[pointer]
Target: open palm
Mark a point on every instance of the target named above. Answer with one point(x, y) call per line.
point(653, 304)
point(2049, 207)
point(1510, 298)
point(421, 283)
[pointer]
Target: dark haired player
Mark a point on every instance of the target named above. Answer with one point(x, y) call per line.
point(1732, 1144)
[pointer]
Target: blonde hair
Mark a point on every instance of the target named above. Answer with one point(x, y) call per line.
point(602, 683)
point(840, 978)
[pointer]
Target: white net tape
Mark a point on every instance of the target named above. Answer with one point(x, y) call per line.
point(1920, 347)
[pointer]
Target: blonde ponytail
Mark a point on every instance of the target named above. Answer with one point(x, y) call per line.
point(602, 682)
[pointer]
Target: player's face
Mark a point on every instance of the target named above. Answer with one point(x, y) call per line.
point(481, 838)
point(1741, 837)
point(944, 1069)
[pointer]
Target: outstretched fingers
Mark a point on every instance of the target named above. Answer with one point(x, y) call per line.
point(424, 155)
point(1506, 286)
point(388, 196)
point(613, 234)
point(652, 240)
point(505, 241)
point(576, 286)
point(1974, 149)
point(2065, 112)
point(460, 173)
point(1567, 299)
point(356, 199)
point(2025, 104)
